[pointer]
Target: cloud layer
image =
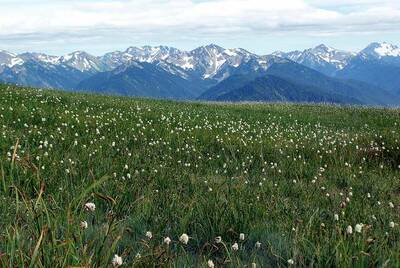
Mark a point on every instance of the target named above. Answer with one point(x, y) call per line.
point(104, 20)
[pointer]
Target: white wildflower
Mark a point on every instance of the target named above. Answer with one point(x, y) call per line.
point(358, 227)
point(149, 235)
point(235, 247)
point(184, 238)
point(349, 229)
point(116, 261)
point(90, 207)
point(83, 225)
point(241, 236)
point(336, 217)
point(167, 240)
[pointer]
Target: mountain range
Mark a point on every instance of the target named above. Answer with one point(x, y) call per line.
point(319, 74)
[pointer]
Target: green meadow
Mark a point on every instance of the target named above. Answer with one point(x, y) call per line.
point(100, 181)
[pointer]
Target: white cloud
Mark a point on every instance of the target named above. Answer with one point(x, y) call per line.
point(357, 3)
point(188, 19)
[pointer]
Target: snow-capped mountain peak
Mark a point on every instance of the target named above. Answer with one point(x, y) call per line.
point(336, 57)
point(152, 54)
point(81, 61)
point(379, 50)
point(40, 57)
point(209, 62)
point(75, 56)
point(322, 58)
point(205, 60)
point(8, 59)
point(323, 48)
point(214, 47)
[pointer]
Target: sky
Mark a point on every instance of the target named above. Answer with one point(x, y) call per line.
point(260, 26)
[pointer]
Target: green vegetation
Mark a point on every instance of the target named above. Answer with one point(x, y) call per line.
point(291, 177)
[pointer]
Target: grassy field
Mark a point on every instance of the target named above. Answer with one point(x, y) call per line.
point(279, 184)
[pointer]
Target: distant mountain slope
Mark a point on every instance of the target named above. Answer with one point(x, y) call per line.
point(384, 52)
point(226, 86)
point(378, 64)
point(311, 85)
point(39, 74)
point(206, 65)
point(275, 89)
point(8, 59)
point(363, 92)
point(41, 70)
point(83, 62)
point(373, 71)
point(140, 79)
point(322, 58)
point(372, 76)
point(205, 62)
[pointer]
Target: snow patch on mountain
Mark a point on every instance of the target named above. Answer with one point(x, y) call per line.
point(81, 61)
point(16, 61)
point(210, 62)
point(322, 58)
point(380, 50)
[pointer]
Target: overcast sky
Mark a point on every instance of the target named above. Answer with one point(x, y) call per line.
point(261, 26)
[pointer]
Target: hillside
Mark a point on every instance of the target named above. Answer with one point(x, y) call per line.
point(270, 88)
point(297, 83)
point(180, 184)
point(374, 72)
point(140, 79)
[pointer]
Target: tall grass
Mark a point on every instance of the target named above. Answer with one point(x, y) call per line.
point(277, 173)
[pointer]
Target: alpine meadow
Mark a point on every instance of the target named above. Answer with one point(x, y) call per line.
point(101, 181)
